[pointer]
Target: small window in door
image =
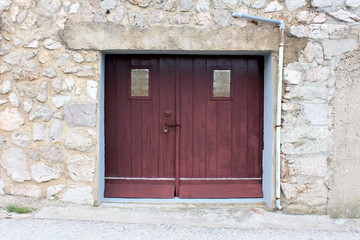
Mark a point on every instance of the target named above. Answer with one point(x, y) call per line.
point(221, 84)
point(139, 83)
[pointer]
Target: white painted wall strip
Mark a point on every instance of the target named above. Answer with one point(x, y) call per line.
point(199, 179)
point(184, 179)
point(135, 178)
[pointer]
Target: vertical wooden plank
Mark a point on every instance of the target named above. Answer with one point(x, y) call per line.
point(123, 119)
point(199, 118)
point(177, 121)
point(136, 139)
point(149, 121)
point(239, 118)
point(258, 75)
point(186, 116)
point(136, 130)
point(223, 128)
point(211, 122)
point(155, 115)
point(259, 169)
point(167, 73)
point(110, 106)
point(163, 143)
point(253, 118)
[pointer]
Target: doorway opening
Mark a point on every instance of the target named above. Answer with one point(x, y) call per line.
point(183, 126)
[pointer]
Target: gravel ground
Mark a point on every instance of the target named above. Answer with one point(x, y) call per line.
point(31, 229)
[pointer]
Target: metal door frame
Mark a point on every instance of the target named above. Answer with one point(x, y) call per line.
point(268, 184)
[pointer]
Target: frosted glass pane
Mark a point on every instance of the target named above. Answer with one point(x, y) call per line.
point(222, 83)
point(139, 82)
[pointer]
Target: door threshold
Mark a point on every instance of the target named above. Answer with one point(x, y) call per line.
point(238, 202)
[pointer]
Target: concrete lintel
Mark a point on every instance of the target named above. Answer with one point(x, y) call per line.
point(101, 36)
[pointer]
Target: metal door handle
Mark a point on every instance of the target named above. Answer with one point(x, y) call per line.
point(172, 125)
point(166, 127)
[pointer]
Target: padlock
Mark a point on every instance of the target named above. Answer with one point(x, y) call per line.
point(165, 129)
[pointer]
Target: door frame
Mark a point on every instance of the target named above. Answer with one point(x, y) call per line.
point(268, 185)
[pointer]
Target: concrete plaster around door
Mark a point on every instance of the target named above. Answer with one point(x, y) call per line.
point(268, 172)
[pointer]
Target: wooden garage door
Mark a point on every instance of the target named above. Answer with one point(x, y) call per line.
point(183, 126)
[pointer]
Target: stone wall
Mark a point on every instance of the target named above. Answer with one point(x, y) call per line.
point(310, 148)
point(50, 77)
point(48, 112)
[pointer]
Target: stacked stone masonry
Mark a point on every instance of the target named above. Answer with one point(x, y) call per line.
point(49, 89)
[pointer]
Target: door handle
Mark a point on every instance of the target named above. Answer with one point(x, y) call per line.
point(172, 125)
point(166, 127)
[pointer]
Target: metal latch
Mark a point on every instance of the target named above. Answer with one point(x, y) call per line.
point(167, 126)
point(172, 125)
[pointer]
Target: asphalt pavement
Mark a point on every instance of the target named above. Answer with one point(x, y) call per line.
point(58, 220)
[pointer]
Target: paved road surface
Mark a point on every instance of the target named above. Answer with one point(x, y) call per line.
point(37, 229)
point(52, 220)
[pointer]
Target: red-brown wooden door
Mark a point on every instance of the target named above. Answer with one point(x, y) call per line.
point(214, 153)
point(139, 158)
